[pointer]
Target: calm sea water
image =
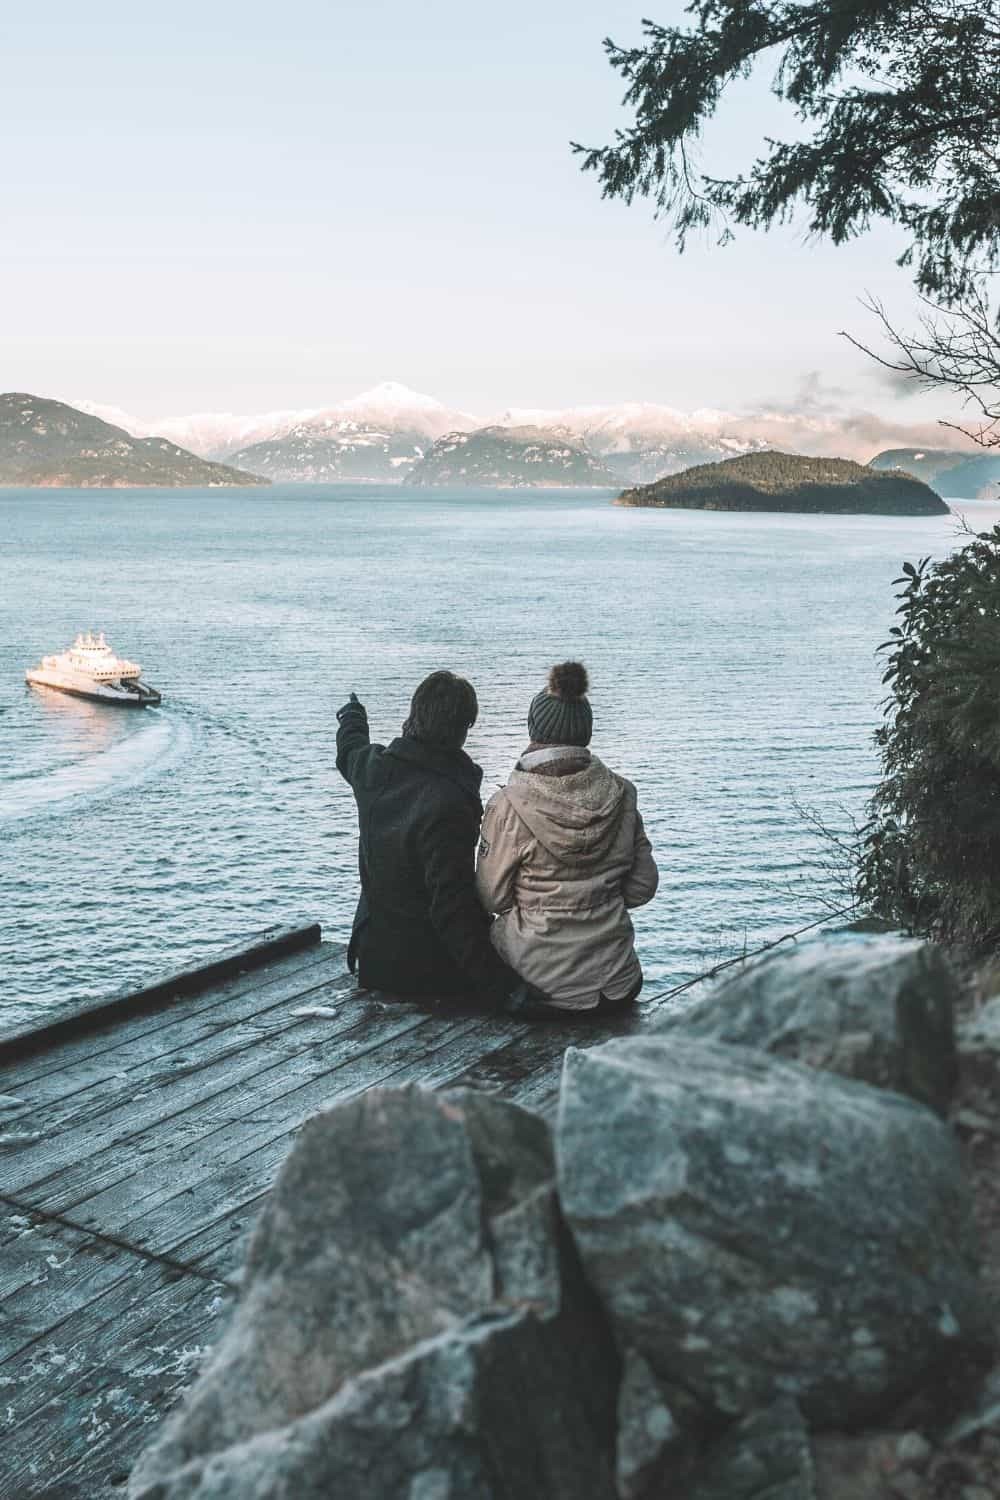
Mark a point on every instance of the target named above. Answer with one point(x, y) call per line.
point(732, 671)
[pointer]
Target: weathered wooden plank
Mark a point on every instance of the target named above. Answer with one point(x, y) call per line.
point(76, 1421)
point(155, 1206)
point(113, 1151)
point(117, 1038)
point(134, 1304)
point(138, 1306)
point(154, 1164)
point(236, 1188)
point(268, 1030)
point(362, 1061)
point(248, 954)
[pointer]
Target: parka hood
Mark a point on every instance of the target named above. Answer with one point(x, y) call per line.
point(574, 817)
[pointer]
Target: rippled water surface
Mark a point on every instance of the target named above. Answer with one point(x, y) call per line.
point(732, 671)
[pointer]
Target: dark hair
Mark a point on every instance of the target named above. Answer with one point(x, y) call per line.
point(443, 710)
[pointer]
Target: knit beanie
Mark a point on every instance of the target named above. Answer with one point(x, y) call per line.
point(560, 714)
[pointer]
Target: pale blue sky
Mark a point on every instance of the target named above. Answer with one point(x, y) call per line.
point(239, 207)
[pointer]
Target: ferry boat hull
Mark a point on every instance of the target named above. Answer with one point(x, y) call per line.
point(134, 695)
point(90, 669)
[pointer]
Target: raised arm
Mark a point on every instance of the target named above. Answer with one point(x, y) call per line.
point(352, 737)
point(643, 878)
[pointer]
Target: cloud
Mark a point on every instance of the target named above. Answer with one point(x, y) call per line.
point(842, 434)
point(898, 382)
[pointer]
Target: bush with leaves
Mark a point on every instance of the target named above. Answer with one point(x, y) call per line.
point(931, 854)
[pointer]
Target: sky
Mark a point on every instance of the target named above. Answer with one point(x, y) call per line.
point(241, 207)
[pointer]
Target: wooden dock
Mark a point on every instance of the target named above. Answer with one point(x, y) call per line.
point(149, 1133)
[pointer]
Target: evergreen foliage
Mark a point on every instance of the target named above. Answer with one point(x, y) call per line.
point(901, 102)
point(931, 856)
point(791, 482)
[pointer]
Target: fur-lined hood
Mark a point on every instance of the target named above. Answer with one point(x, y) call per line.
point(574, 817)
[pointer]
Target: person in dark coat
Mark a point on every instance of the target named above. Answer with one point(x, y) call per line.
point(419, 929)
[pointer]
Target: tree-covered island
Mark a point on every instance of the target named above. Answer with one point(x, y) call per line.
point(790, 482)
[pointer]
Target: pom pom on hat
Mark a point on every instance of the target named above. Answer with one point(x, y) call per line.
point(569, 680)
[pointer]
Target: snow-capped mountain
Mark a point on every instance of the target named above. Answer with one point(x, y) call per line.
point(331, 449)
point(385, 432)
point(398, 409)
point(387, 408)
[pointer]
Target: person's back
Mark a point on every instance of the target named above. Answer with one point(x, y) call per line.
point(563, 856)
point(420, 929)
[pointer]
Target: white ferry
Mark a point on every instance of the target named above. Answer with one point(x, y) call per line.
point(90, 669)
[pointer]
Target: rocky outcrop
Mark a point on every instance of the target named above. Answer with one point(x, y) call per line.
point(736, 1277)
point(881, 1009)
point(756, 1229)
point(412, 1323)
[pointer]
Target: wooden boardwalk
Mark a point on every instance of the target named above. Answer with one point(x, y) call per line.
point(132, 1175)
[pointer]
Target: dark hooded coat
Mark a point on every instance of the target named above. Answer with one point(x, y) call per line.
point(419, 928)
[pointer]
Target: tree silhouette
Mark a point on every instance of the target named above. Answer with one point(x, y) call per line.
point(902, 106)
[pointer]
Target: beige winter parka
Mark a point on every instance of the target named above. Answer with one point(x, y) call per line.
point(562, 858)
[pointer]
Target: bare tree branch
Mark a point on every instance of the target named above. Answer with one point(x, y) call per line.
point(954, 348)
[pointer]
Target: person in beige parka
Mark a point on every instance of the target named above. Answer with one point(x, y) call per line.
point(563, 857)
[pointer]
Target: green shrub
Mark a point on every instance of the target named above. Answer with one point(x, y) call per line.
point(930, 856)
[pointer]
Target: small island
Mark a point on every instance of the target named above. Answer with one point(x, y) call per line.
point(791, 483)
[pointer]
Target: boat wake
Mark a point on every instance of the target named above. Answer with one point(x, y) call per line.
point(148, 752)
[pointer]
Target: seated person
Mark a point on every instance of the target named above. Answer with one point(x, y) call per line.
point(420, 929)
point(563, 856)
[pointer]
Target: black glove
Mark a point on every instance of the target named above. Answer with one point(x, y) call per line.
point(353, 702)
point(525, 1003)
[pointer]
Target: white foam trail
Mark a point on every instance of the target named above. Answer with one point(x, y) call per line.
point(132, 760)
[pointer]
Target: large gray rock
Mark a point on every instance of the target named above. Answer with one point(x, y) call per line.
point(469, 1415)
point(653, 1429)
point(757, 1229)
point(400, 1219)
point(876, 1008)
point(981, 1032)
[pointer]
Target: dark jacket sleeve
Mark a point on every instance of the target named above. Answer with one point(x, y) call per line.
point(353, 738)
point(458, 918)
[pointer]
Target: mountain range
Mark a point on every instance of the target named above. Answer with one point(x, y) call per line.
point(391, 434)
point(385, 433)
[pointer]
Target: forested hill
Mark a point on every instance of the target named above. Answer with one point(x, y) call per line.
point(790, 482)
point(54, 445)
point(510, 456)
